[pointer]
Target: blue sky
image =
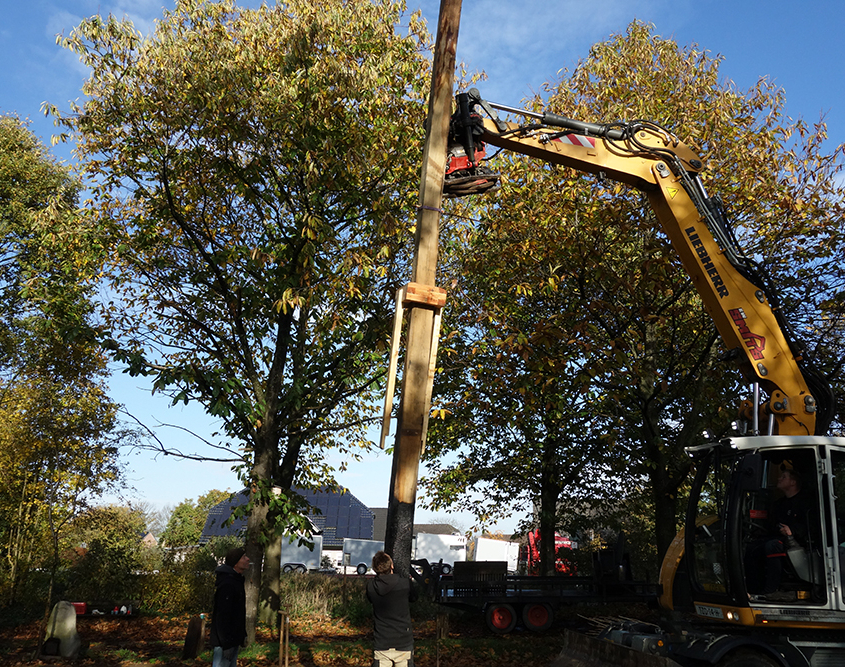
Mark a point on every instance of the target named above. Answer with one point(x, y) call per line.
point(798, 46)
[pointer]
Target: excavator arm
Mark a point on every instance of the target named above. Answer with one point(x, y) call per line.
point(648, 157)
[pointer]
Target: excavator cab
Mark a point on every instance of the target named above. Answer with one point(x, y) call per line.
point(738, 564)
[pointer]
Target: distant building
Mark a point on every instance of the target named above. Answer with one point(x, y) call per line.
point(436, 529)
point(379, 522)
point(334, 514)
point(380, 526)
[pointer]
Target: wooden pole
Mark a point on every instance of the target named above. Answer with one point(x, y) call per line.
point(284, 639)
point(422, 298)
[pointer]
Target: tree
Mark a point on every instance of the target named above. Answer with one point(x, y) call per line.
point(155, 517)
point(47, 257)
point(60, 450)
point(109, 538)
point(520, 430)
point(59, 433)
point(188, 519)
point(256, 169)
point(632, 346)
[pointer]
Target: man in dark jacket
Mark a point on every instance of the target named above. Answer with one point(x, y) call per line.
point(228, 617)
point(789, 520)
point(390, 596)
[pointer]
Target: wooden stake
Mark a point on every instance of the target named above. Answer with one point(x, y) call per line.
point(284, 640)
point(415, 394)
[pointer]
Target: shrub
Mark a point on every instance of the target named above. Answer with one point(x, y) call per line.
point(184, 585)
point(319, 595)
point(338, 597)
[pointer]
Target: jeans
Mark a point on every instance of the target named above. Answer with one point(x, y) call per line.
point(227, 658)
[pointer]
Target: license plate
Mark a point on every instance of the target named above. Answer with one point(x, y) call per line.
point(709, 612)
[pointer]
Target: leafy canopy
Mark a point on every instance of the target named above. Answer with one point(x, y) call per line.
point(254, 168)
point(184, 527)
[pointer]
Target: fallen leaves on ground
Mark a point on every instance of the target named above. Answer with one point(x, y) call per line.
point(314, 642)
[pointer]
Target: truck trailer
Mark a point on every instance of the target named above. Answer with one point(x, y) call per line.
point(359, 554)
point(301, 554)
point(489, 549)
point(441, 550)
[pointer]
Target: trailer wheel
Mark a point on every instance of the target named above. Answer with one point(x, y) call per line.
point(501, 618)
point(301, 569)
point(361, 569)
point(287, 568)
point(537, 616)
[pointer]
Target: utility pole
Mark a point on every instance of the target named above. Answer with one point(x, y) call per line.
point(423, 299)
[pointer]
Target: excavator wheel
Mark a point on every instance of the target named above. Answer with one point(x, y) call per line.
point(747, 659)
point(501, 618)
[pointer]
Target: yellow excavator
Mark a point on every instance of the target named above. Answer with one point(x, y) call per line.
point(715, 575)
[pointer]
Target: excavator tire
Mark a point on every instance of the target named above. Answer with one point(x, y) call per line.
point(747, 659)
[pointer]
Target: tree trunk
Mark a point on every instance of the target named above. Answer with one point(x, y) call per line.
point(270, 603)
point(255, 551)
point(262, 475)
point(665, 512)
point(664, 490)
point(550, 489)
point(547, 548)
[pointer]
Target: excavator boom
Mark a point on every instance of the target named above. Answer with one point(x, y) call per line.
point(648, 157)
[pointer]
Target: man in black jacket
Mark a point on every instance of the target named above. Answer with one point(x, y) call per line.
point(228, 617)
point(390, 596)
point(789, 521)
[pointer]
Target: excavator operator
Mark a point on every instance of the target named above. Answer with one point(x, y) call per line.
point(788, 528)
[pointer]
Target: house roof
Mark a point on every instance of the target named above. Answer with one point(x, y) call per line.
point(215, 522)
point(436, 529)
point(335, 515)
point(380, 525)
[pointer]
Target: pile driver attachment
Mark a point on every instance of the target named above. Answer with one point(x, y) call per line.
point(465, 173)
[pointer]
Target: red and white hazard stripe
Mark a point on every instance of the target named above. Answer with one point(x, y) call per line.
point(577, 140)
